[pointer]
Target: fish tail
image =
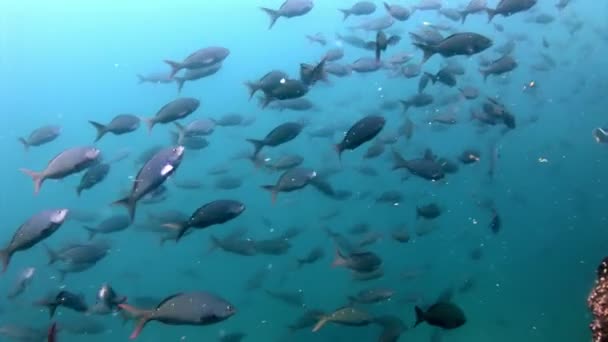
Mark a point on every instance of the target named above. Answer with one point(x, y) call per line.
point(92, 232)
point(491, 14)
point(345, 13)
point(101, 129)
point(78, 190)
point(143, 317)
point(419, 315)
point(273, 14)
point(181, 132)
point(387, 6)
point(37, 177)
point(257, 145)
point(150, 123)
point(320, 324)
point(485, 74)
point(339, 149)
point(62, 275)
point(128, 203)
point(180, 83)
point(339, 259)
point(25, 144)
point(140, 79)
point(5, 258)
point(53, 256)
point(175, 67)
point(52, 333)
point(463, 16)
point(273, 192)
point(398, 160)
point(428, 51)
point(431, 77)
point(52, 309)
point(406, 105)
point(252, 88)
point(179, 227)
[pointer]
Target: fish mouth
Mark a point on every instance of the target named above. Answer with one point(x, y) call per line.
point(59, 216)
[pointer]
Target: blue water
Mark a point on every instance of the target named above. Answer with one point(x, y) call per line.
point(66, 62)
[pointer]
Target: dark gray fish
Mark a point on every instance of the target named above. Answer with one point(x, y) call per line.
point(113, 224)
point(66, 163)
point(212, 213)
point(308, 319)
point(336, 69)
point(24, 279)
point(359, 8)
point(228, 183)
point(79, 254)
point(289, 9)
point(371, 296)
point(354, 41)
point(66, 299)
point(120, 124)
point(465, 43)
point(349, 316)
point(232, 337)
point(382, 42)
point(376, 24)
point(299, 104)
point(196, 74)
point(498, 67)
point(366, 64)
point(199, 59)
point(469, 156)
point(363, 262)
point(311, 74)
point(333, 55)
point(93, 176)
point(285, 162)
point(191, 142)
point(275, 246)
point(507, 8)
point(443, 315)
point(469, 92)
point(41, 136)
point(156, 196)
point(398, 12)
point(186, 308)
point(426, 167)
point(313, 256)
point(424, 81)
point(37, 228)
point(279, 135)
point(474, 6)
point(443, 76)
point(361, 132)
point(152, 175)
point(230, 119)
point(267, 83)
point(291, 180)
point(235, 245)
point(451, 13)
point(292, 298)
point(158, 78)
point(107, 301)
point(417, 101)
point(428, 211)
point(428, 36)
point(174, 110)
point(289, 89)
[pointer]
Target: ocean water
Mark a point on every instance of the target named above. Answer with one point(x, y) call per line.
point(67, 62)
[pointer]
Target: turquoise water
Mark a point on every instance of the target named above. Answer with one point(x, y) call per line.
point(66, 62)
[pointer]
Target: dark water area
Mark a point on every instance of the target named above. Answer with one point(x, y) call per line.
point(485, 195)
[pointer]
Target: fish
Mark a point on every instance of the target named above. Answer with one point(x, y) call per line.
point(24, 279)
point(317, 38)
point(291, 180)
point(350, 316)
point(93, 176)
point(174, 110)
point(464, 43)
point(444, 315)
point(157, 77)
point(507, 8)
point(279, 135)
point(371, 296)
point(287, 89)
point(426, 167)
point(120, 124)
point(333, 55)
point(363, 262)
point(107, 301)
point(308, 319)
point(113, 224)
point(40, 136)
point(313, 256)
point(311, 74)
point(376, 24)
point(209, 214)
point(266, 83)
point(397, 11)
point(428, 211)
point(360, 132)
point(227, 183)
point(196, 74)
point(284, 162)
point(289, 9)
point(185, 308)
point(359, 8)
point(66, 163)
point(151, 176)
point(417, 101)
point(365, 65)
point(443, 76)
point(37, 228)
point(495, 223)
point(65, 299)
point(474, 6)
point(199, 59)
point(498, 67)
point(299, 104)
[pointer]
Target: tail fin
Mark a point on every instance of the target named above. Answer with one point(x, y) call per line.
point(150, 123)
point(491, 14)
point(252, 87)
point(181, 132)
point(273, 14)
point(180, 83)
point(25, 144)
point(52, 333)
point(78, 190)
point(5, 258)
point(257, 145)
point(320, 324)
point(463, 16)
point(338, 148)
point(179, 227)
point(37, 177)
point(92, 232)
point(128, 203)
point(53, 256)
point(175, 67)
point(419, 315)
point(140, 79)
point(345, 13)
point(431, 77)
point(485, 74)
point(398, 160)
point(406, 105)
point(143, 317)
point(428, 51)
point(339, 259)
point(387, 7)
point(101, 129)
point(272, 190)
